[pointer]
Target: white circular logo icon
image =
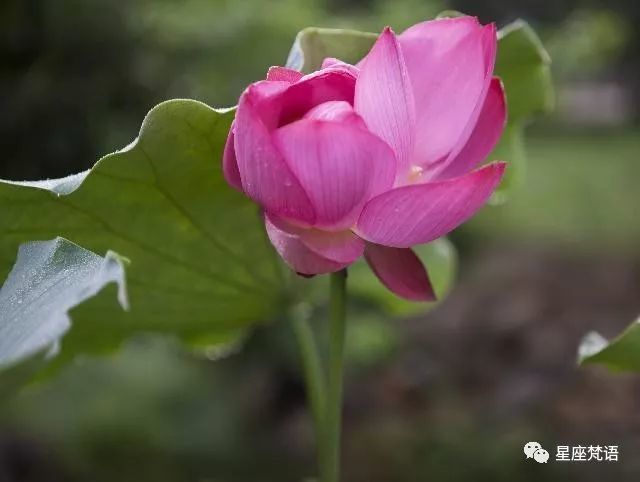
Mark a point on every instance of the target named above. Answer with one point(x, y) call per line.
point(530, 449)
point(541, 456)
point(533, 450)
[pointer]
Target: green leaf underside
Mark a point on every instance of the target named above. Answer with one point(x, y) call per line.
point(524, 66)
point(522, 63)
point(450, 14)
point(48, 279)
point(621, 354)
point(525, 69)
point(312, 45)
point(200, 265)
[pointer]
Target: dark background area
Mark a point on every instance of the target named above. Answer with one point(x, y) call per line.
point(451, 395)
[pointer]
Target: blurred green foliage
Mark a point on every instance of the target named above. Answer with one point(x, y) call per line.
point(590, 42)
point(83, 73)
point(580, 191)
point(155, 415)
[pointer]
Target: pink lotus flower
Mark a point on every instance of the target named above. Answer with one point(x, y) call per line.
point(375, 158)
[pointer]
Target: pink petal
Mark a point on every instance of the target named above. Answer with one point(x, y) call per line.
point(384, 98)
point(340, 246)
point(339, 165)
point(331, 62)
point(284, 74)
point(434, 169)
point(335, 110)
point(229, 162)
point(416, 214)
point(450, 63)
point(278, 103)
point(401, 271)
point(313, 89)
point(266, 97)
point(487, 132)
point(266, 178)
point(297, 255)
point(490, 46)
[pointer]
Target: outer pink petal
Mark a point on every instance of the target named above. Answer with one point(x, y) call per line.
point(266, 177)
point(339, 165)
point(484, 137)
point(384, 97)
point(284, 74)
point(297, 255)
point(489, 44)
point(420, 213)
point(265, 98)
point(341, 246)
point(229, 162)
point(448, 64)
point(401, 271)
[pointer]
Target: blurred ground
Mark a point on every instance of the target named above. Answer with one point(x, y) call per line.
point(450, 396)
point(494, 366)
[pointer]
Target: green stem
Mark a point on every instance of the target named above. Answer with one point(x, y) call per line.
point(313, 372)
point(330, 463)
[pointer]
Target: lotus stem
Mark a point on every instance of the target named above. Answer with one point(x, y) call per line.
point(331, 430)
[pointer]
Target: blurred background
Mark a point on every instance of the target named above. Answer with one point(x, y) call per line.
point(448, 395)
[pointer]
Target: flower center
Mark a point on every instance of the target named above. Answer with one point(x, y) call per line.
point(415, 173)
